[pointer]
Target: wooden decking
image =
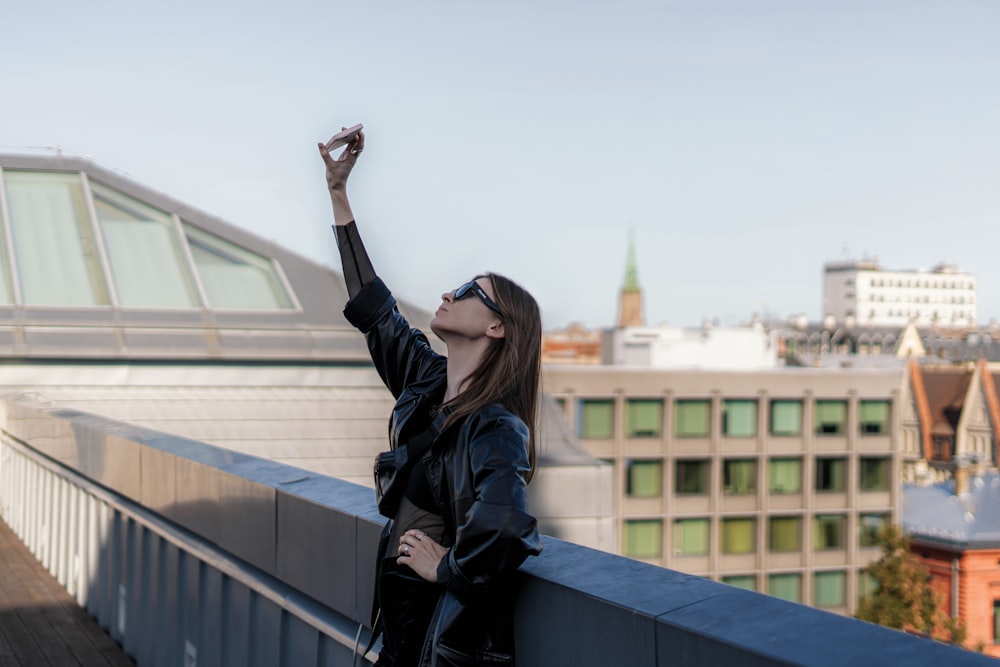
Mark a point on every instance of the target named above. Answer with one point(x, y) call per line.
point(40, 624)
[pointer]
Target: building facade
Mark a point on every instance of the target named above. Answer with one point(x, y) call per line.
point(772, 480)
point(868, 295)
point(954, 530)
point(949, 415)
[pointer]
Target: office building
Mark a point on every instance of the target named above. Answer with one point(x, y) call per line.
point(773, 480)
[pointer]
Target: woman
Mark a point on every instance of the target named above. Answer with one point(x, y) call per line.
point(462, 452)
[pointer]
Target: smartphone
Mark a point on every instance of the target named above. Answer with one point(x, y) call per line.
point(343, 137)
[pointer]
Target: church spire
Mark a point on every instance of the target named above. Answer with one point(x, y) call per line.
point(630, 301)
point(631, 270)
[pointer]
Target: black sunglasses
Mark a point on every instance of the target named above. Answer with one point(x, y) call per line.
point(472, 287)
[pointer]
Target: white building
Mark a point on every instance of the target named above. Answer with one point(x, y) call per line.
point(708, 347)
point(873, 296)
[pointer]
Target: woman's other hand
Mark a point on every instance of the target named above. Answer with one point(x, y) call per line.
point(421, 554)
point(337, 171)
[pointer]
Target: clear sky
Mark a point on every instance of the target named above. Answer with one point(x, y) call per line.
point(741, 144)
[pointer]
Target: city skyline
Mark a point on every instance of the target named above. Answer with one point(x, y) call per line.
point(741, 147)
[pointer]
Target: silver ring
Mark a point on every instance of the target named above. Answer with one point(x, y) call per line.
point(356, 151)
point(406, 549)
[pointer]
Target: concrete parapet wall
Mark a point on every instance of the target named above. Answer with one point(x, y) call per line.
point(213, 557)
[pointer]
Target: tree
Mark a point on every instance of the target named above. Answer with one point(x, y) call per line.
point(904, 598)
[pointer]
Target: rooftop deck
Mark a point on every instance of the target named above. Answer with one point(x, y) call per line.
point(40, 623)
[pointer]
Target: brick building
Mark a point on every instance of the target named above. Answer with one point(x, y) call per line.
point(954, 527)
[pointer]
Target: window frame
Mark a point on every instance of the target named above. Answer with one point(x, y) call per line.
point(784, 520)
point(681, 407)
point(818, 406)
point(657, 552)
point(679, 523)
point(883, 478)
point(583, 405)
point(865, 406)
point(819, 466)
point(726, 474)
point(725, 547)
point(819, 575)
point(729, 404)
point(633, 464)
point(772, 488)
point(704, 476)
point(841, 541)
point(630, 417)
point(779, 402)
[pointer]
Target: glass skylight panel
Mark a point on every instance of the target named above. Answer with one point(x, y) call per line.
point(56, 254)
point(147, 260)
point(234, 277)
point(6, 292)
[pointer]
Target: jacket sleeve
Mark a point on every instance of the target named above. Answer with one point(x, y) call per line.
point(358, 269)
point(497, 533)
point(401, 353)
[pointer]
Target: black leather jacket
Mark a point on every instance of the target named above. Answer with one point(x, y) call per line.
point(478, 484)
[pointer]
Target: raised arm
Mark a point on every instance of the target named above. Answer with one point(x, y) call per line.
point(401, 353)
point(358, 270)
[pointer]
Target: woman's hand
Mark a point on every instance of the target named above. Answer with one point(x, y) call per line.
point(421, 554)
point(337, 171)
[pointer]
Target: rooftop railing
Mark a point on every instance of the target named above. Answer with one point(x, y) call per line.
point(189, 554)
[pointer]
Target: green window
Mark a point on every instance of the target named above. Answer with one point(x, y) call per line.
point(739, 418)
point(690, 537)
point(785, 476)
point(996, 621)
point(597, 418)
point(58, 262)
point(784, 533)
point(234, 277)
point(785, 586)
point(867, 584)
point(643, 538)
point(737, 535)
point(644, 479)
point(831, 417)
point(786, 418)
point(739, 477)
point(829, 531)
point(145, 253)
point(829, 589)
point(747, 581)
point(873, 417)
point(831, 475)
point(692, 418)
point(869, 528)
point(873, 474)
point(692, 477)
point(643, 418)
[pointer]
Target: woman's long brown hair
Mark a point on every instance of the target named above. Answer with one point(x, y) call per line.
point(510, 370)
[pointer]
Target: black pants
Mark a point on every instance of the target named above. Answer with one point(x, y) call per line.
point(407, 603)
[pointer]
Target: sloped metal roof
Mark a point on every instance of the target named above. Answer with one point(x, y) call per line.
point(970, 520)
point(315, 330)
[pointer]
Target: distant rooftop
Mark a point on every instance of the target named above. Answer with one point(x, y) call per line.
point(969, 520)
point(873, 265)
